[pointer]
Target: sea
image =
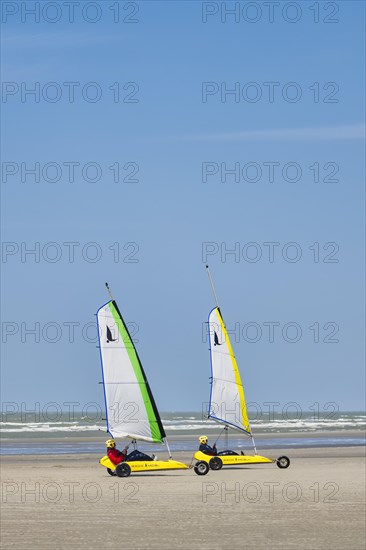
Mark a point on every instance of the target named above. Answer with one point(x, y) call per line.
point(64, 432)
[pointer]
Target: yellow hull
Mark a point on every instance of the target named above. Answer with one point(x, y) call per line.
point(146, 466)
point(235, 459)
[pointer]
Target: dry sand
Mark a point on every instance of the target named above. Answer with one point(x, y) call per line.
point(70, 502)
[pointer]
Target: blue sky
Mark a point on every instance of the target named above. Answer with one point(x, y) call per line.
point(168, 133)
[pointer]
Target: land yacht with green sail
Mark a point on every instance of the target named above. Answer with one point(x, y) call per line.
point(131, 411)
point(227, 404)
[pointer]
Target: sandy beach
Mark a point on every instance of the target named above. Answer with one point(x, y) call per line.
point(71, 502)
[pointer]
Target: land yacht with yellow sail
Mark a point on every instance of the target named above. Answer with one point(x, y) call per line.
point(131, 412)
point(227, 404)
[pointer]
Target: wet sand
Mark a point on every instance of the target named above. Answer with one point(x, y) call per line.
point(70, 501)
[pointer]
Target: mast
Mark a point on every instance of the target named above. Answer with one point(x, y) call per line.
point(109, 291)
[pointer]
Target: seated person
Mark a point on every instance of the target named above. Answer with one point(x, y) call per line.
point(212, 451)
point(205, 448)
point(117, 456)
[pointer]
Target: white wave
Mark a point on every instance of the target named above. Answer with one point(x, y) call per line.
point(35, 424)
point(194, 427)
point(44, 428)
point(182, 422)
point(191, 423)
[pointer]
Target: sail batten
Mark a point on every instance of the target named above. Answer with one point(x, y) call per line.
point(130, 407)
point(227, 400)
point(229, 382)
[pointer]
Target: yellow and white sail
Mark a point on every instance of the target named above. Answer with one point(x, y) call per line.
point(227, 400)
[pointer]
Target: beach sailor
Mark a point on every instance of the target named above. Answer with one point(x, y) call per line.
point(117, 456)
point(205, 447)
point(212, 451)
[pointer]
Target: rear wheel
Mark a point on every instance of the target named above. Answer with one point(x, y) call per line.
point(283, 462)
point(111, 472)
point(201, 468)
point(123, 470)
point(215, 463)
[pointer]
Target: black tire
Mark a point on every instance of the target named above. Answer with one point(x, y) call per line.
point(216, 463)
point(111, 472)
point(283, 462)
point(123, 470)
point(201, 468)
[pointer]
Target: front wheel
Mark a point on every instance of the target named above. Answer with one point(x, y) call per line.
point(123, 470)
point(111, 472)
point(201, 468)
point(215, 463)
point(283, 462)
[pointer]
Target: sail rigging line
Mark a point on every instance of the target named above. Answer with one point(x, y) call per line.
point(226, 436)
point(212, 285)
point(220, 434)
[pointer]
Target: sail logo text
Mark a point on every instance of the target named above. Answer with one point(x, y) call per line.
point(268, 491)
point(270, 251)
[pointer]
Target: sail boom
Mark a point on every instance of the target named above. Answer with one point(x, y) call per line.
point(122, 434)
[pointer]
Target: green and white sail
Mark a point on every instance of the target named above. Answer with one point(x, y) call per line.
point(130, 407)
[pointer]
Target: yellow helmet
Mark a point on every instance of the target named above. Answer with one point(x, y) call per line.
point(203, 439)
point(110, 444)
